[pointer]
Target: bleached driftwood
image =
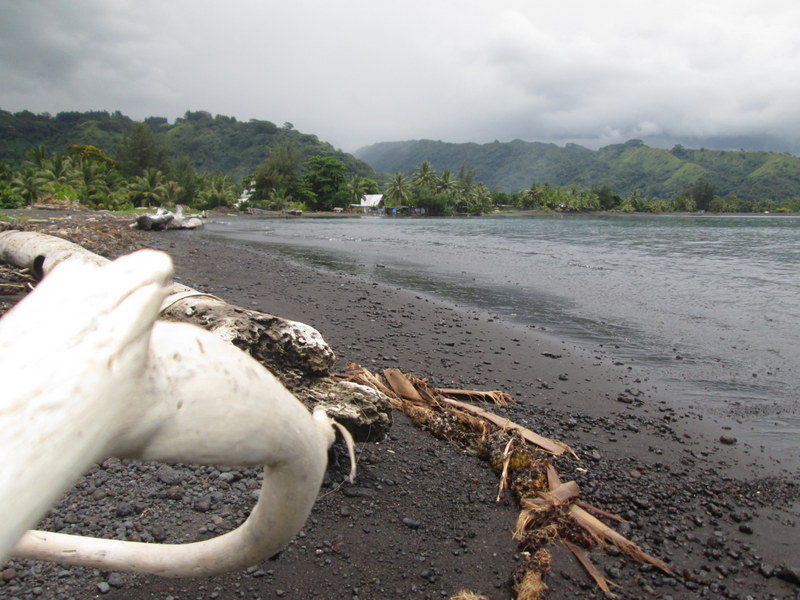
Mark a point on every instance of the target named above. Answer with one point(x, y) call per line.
point(292, 349)
point(273, 341)
point(295, 352)
point(89, 373)
point(165, 219)
point(41, 253)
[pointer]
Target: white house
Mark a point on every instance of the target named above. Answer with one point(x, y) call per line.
point(370, 203)
point(246, 193)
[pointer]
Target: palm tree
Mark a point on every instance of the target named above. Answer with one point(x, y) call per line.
point(480, 200)
point(59, 170)
point(425, 176)
point(28, 183)
point(356, 189)
point(38, 155)
point(148, 189)
point(397, 192)
point(278, 199)
point(219, 190)
point(446, 183)
point(92, 187)
point(172, 192)
point(530, 198)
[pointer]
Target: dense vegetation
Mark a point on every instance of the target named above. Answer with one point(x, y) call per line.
point(741, 180)
point(442, 194)
point(107, 160)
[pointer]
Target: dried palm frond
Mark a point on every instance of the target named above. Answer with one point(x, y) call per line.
point(468, 595)
point(605, 535)
point(551, 509)
point(603, 583)
point(494, 397)
point(530, 586)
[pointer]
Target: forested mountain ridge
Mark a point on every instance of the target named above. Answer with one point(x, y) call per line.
point(213, 144)
point(626, 168)
point(111, 161)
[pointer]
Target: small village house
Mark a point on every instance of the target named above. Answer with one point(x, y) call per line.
point(371, 204)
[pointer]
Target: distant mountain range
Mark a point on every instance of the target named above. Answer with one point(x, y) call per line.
point(223, 144)
point(626, 168)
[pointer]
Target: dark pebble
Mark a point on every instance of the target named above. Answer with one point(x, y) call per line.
point(124, 509)
point(358, 492)
point(790, 574)
point(202, 504)
point(175, 492)
point(728, 439)
point(168, 475)
point(116, 580)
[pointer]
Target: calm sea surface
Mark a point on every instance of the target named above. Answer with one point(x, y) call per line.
point(721, 293)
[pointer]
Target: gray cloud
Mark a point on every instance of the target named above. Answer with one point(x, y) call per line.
point(361, 71)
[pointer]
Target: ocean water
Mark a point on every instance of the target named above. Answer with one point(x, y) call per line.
point(710, 305)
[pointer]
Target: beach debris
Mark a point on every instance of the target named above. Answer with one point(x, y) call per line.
point(416, 390)
point(295, 352)
point(164, 219)
point(551, 510)
point(364, 411)
point(489, 397)
point(530, 585)
point(468, 595)
point(603, 583)
point(89, 372)
point(40, 253)
point(291, 349)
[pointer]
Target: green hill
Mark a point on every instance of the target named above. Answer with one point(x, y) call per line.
point(221, 144)
point(625, 168)
point(212, 143)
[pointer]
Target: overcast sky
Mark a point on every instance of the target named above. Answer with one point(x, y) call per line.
point(355, 72)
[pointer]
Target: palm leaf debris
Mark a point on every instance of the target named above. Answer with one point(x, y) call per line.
point(551, 510)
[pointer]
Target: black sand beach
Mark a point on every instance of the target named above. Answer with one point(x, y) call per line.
point(421, 521)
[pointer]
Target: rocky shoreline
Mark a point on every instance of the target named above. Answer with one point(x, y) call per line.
point(421, 521)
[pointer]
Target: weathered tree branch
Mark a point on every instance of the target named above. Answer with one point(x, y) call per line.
point(295, 352)
point(90, 374)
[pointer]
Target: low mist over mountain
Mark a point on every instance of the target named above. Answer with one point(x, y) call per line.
point(626, 168)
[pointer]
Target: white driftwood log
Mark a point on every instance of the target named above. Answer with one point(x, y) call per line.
point(88, 373)
point(294, 351)
point(164, 219)
point(41, 253)
point(301, 346)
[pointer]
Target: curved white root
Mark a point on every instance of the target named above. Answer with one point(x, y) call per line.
point(109, 381)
